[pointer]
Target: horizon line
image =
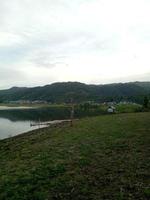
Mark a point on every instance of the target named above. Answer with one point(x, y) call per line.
point(96, 84)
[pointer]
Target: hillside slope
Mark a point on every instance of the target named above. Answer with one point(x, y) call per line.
point(63, 92)
point(105, 157)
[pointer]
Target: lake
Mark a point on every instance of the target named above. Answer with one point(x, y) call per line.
point(16, 120)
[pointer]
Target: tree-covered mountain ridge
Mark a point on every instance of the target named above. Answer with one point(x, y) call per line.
point(63, 92)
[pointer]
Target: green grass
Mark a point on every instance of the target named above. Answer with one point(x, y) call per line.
point(129, 108)
point(99, 158)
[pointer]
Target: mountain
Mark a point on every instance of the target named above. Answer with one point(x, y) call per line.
point(79, 92)
point(145, 85)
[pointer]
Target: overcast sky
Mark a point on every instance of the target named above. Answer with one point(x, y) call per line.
point(91, 41)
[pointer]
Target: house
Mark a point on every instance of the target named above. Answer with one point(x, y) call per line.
point(111, 109)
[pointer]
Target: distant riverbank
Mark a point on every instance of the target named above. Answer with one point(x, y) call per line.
point(15, 107)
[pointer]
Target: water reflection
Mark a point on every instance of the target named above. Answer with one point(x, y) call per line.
point(44, 114)
point(9, 128)
point(16, 121)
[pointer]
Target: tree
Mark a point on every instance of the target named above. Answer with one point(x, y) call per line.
point(146, 101)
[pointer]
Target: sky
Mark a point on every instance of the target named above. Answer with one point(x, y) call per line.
point(90, 41)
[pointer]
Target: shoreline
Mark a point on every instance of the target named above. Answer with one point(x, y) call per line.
point(16, 107)
point(50, 124)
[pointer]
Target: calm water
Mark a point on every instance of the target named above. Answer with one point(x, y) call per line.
point(15, 121)
point(9, 128)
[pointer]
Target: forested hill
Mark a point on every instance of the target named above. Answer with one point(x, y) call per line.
point(64, 91)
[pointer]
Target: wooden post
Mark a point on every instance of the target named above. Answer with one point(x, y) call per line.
point(39, 123)
point(72, 113)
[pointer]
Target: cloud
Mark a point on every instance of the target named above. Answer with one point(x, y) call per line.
point(82, 40)
point(10, 76)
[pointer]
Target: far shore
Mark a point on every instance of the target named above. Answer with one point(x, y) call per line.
point(29, 105)
point(15, 107)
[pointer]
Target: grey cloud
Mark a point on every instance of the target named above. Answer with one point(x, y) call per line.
point(39, 41)
point(139, 77)
point(9, 73)
point(45, 60)
point(11, 77)
point(49, 33)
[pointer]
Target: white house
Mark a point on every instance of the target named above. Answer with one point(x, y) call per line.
point(111, 109)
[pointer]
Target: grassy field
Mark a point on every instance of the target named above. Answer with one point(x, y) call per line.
point(128, 108)
point(99, 158)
